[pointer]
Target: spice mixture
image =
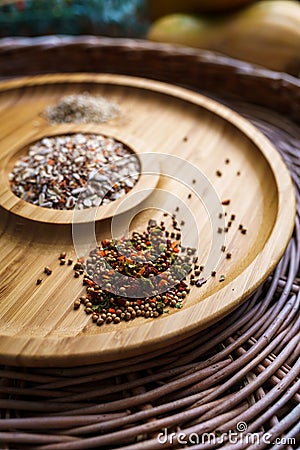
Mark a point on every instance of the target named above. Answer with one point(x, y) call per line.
point(143, 275)
point(81, 108)
point(81, 169)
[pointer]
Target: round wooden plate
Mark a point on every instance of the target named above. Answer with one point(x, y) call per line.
point(208, 162)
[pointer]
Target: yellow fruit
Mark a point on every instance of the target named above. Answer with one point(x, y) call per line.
point(265, 33)
point(181, 29)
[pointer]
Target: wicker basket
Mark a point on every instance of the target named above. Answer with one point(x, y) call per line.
point(240, 375)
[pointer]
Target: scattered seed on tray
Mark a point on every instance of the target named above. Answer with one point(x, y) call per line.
point(200, 282)
point(39, 281)
point(47, 270)
point(81, 108)
point(218, 173)
point(84, 169)
point(226, 202)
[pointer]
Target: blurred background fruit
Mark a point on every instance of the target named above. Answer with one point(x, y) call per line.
point(265, 32)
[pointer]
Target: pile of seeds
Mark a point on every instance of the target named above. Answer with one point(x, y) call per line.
point(81, 108)
point(155, 271)
point(80, 169)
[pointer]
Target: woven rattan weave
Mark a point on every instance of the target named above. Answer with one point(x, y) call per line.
point(241, 374)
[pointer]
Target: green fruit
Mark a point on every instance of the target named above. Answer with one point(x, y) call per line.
point(182, 29)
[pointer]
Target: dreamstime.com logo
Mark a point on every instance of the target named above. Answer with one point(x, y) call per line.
point(238, 437)
point(182, 176)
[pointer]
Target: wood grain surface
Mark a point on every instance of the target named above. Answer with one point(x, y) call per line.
point(38, 325)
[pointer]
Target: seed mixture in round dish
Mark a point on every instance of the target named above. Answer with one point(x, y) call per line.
point(85, 170)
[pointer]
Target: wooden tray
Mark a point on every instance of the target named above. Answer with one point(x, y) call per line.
point(38, 325)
